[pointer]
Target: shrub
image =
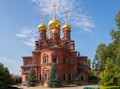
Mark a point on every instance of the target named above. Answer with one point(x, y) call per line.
point(93, 79)
point(109, 87)
point(88, 88)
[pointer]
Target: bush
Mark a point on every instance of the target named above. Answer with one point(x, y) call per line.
point(93, 79)
point(109, 87)
point(88, 88)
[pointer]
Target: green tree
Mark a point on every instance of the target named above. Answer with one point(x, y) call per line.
point(117, 20)
point(31, 79)
point(110, 52)
point(115, 35)
point(54, 79)
point(100, 57)
point(5, 77)
point(107, 76)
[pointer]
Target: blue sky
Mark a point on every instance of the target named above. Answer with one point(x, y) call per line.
point(91, 21)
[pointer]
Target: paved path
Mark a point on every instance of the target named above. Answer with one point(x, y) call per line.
point(78, 87)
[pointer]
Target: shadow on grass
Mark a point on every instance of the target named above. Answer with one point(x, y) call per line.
point(9, 87)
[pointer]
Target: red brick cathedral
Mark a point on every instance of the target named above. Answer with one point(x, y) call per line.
point(58, 50)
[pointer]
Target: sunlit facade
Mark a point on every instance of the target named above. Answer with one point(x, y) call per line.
point(55, 49)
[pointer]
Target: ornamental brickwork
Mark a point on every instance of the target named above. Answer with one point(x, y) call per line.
point(58, 50)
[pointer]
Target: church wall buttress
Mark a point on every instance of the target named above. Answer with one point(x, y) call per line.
point(36, 64)
point(36, 58)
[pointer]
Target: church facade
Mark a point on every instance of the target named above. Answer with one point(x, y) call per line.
point(58, 50)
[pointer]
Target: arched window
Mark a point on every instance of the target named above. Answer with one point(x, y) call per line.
point(67, 44)
point(82, 78)
point(40, 77)
point(50, 43)
point(45, 58)
point(70, 77)
point(54, 60)
point(42, 44)
point(45, 76)
point(54, 57)
point(64, 77)
point(64, 61)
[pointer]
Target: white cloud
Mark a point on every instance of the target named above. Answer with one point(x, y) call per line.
point(30, 42)
point(28, 35)
point(85, 23)
point(26, 32)
point(21, 35)
point(77, 17)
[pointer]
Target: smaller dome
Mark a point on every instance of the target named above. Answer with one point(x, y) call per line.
point(54, 23)
point(54, 31)
point(62, 37)
point(47, 37)
point(42, 27)
point(66, 27)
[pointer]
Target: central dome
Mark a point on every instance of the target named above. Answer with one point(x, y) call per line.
point(54, 31)
point(54, 23)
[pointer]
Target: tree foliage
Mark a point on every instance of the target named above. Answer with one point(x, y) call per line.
point(112, 50)
point(54, 79)
point(5, 77)
point(31, 79)
point(109, 75)
point(107, 58)
point(115, 35)
point(100, 57)
point(117, 19)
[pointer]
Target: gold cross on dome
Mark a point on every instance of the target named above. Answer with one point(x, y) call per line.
point(54, 10)
point(66, 13)
point(42, 16)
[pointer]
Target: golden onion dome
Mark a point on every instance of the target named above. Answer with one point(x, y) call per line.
point(62, 37)
point(54, 23)
point(54, 31)
point(47, 37)
point(66, 27)
point(42, 27)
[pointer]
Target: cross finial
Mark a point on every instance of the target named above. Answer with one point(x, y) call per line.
point(66, 13)
point(54, 8)
point(42, 16)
